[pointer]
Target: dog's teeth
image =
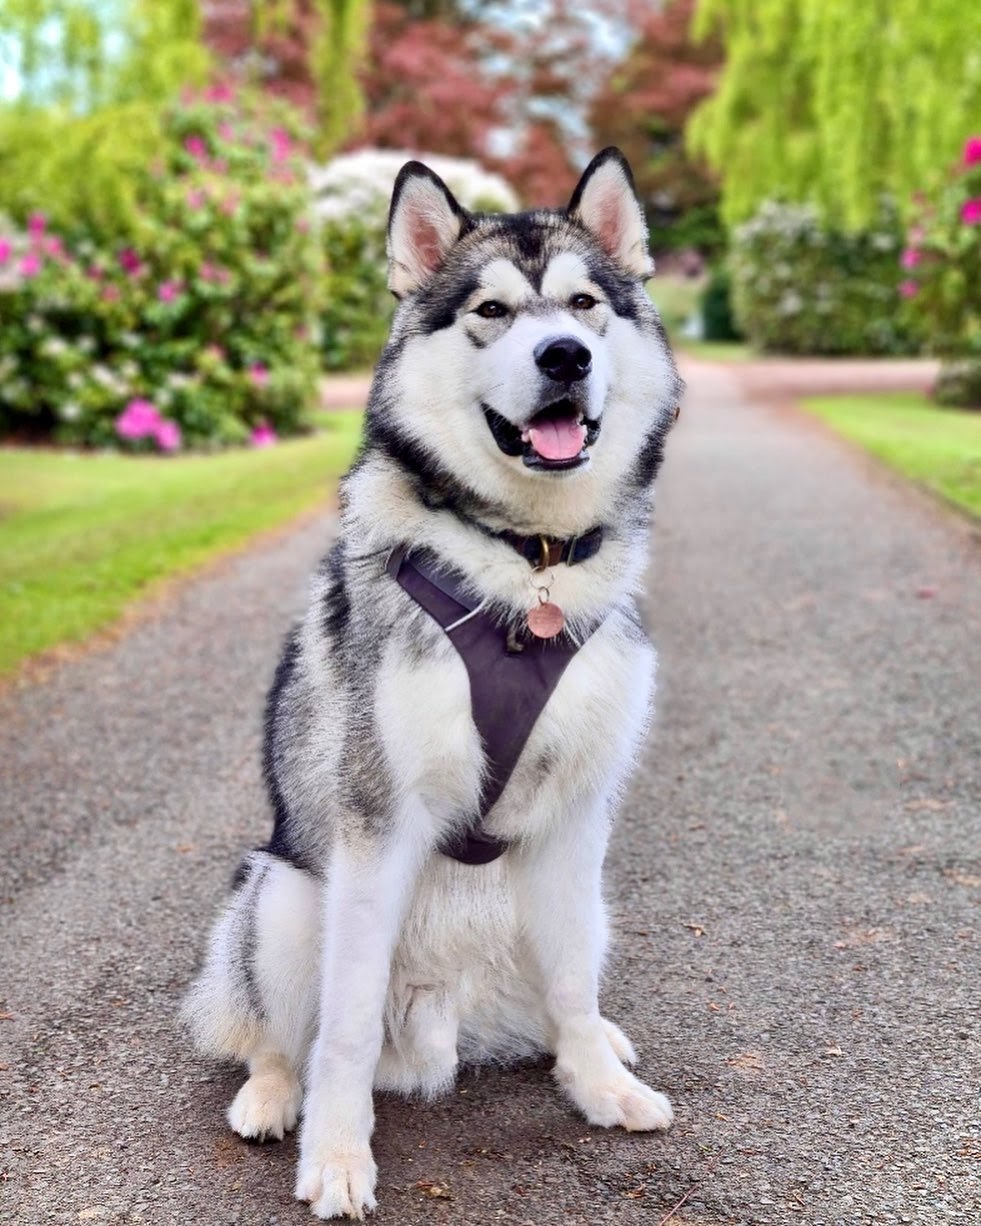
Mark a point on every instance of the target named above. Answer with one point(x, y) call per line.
point(526, 436)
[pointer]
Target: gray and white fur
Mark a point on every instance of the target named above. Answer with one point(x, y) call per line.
point(352, 954)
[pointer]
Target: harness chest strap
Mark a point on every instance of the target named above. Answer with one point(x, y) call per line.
point(509, 687)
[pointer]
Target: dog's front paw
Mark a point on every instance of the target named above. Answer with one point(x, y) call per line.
point(617, 1099)
point(266, 1107)
point(337, 1183)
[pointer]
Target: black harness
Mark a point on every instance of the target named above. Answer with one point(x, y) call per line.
point(512, 675)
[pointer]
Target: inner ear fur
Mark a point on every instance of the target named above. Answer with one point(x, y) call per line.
point(424, 223)
point(605, 202)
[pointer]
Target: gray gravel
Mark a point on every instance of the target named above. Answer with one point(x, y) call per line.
point(794, 880)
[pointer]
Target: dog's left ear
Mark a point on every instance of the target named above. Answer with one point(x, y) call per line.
point(605, 202)
point(424, 222)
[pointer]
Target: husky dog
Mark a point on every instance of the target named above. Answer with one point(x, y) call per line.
point(431, 894)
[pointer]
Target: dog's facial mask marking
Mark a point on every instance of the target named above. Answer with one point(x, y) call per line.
point(424, 223)
point(606, 204)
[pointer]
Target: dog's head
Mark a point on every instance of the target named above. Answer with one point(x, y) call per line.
point(525, 349)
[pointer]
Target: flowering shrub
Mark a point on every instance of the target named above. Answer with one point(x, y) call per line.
point(201, 326)
point(942, 279)
point(352, 194)
point(801, 287)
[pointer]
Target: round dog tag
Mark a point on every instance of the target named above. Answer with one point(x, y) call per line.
point(546, 620)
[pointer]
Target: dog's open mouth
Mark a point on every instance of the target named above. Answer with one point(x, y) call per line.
point(557, 437)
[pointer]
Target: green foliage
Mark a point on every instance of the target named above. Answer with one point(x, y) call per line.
point(82, 536)
point(943, 278)
point(207, 308)
point(834, 101)
point(801, 287)
point(358, 306)
point(717, 319)
point(82, 55)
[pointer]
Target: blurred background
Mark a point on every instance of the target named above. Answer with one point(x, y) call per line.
point(192, 208)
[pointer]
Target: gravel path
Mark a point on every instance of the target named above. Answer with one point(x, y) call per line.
point(793, 883)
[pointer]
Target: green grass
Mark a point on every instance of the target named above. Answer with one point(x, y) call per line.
point(717, 351)
point(938, 447)
point(82, 535)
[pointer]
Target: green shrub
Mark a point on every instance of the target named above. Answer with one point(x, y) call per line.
point(942, 285)
point(358, 306)
point(801, 287)
point(716, 306)
point(204, 314)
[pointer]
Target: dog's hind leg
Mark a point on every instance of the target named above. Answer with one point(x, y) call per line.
point(255, 999)
point(420, 1056)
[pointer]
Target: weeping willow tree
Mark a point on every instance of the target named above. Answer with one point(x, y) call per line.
point(837, 101)
point(88, 79)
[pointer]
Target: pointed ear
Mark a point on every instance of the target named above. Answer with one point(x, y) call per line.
point(606, 203)
point(424, 222)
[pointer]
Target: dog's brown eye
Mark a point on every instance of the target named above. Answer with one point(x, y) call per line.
point(491, 310)
point(582, 302)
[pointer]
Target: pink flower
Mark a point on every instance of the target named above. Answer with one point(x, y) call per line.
point(215, 353)
point(908, 289)
point(226, 131)
point(167, 435)
point(971, 212)
point(140, 419)
point(130, 262)
point(219, 166)
point(259, 374)
point(54, 247)
point(30, 265)
point(911, 257)
point(36, 224)
point(972, 151)
point(111, 293)
point(229, 204)
point(195, 199)
point(916, 236)
point(169, 290)
point(281, 144)
point(6, 250)
point(303, 225)
point(221, 91)
point(196, 147)
point(263, 435)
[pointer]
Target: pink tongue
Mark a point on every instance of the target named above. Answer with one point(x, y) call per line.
point(560, 439)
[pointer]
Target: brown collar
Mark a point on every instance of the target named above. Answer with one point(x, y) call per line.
point(544, 551)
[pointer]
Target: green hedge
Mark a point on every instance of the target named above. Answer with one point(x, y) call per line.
point(801, 287)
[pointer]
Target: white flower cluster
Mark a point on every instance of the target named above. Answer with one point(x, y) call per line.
point(360, 184)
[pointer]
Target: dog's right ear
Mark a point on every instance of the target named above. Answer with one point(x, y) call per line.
point(424, 222)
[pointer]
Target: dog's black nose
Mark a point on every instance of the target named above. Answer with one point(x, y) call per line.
point(565, 359)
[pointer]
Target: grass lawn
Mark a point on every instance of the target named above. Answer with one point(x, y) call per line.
point(81, 535)
point(716, 351)
point(940, 448)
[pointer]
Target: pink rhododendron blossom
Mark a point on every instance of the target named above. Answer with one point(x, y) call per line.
point(219, 166)
point(169, 290)
point(54, 247)
point(36, 224)
point(263, 435)
point(140, 419)
point(111, 293)
point(303, 225)
point(971, 212)
point(972, 151)
point(195, 199)
point(30, 265)
point(259, 374)
point(6, 250)
point(130, 262)
point(196, 147)
point(916, 236)
point(226, 131)
point(908, 289)
point(167, 435)
point(281, 144)
point(911, 257)
point(221, 91)
point(229, 204)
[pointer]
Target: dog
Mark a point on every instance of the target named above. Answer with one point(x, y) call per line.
point(452, 723)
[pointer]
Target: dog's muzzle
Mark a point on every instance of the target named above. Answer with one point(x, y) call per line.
point(556, 439)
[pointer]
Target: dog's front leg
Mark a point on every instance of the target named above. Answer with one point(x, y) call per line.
point(560, 896)
point(368, 886)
